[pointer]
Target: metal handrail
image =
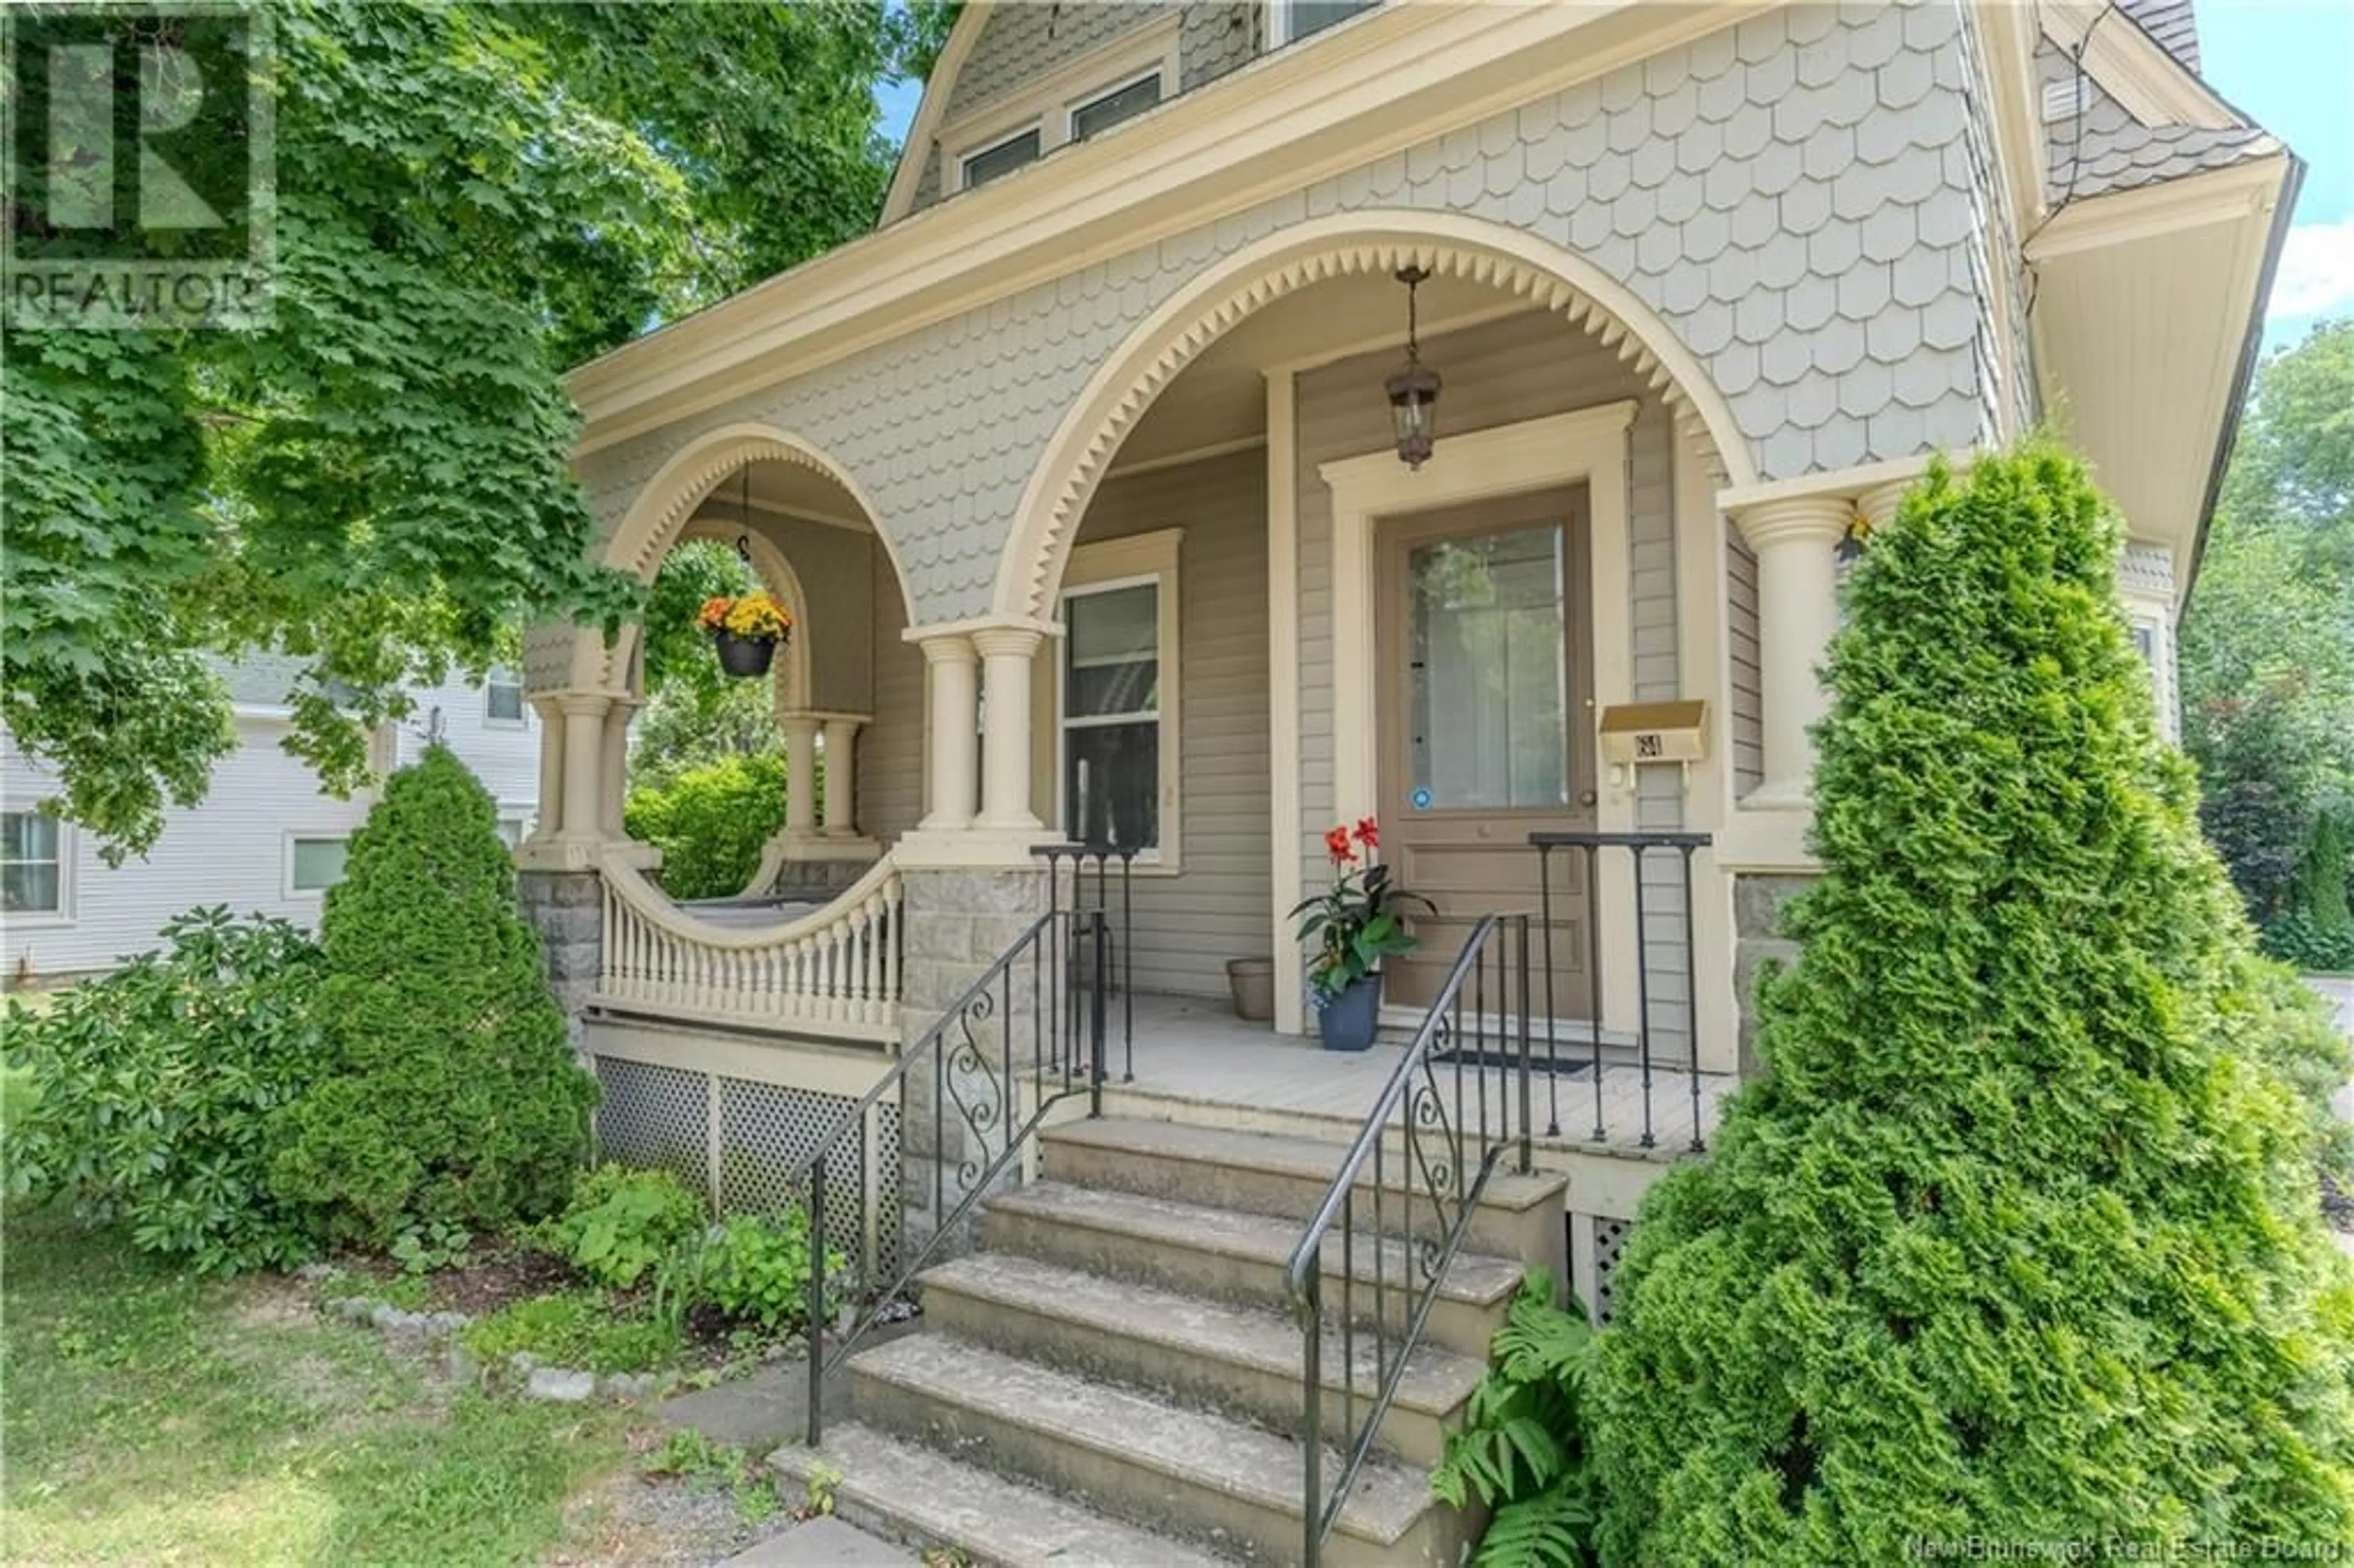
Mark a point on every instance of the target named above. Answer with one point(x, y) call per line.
point(1456, 1165)
point(1055, 1074)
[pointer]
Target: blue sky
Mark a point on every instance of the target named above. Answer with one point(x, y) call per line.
point(2288, 63)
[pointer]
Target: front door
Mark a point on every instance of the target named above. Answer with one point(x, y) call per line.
point(1485, 685)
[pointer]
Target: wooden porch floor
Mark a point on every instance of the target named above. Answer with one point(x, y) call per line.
point(1194, 1052)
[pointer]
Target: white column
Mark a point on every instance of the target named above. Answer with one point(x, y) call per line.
point(800, 775)
point(616, 769)
point(1796, 541)
point(551, 768)
point(584, 762)
point(1007, 653)
point(841, 778)
point(1879, 504)
point(950, 710)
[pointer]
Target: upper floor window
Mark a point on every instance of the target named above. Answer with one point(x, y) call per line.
point(1006, 156)
point(502, 697)
point(1107, 110)
point(32, 864)
point(1295, 19)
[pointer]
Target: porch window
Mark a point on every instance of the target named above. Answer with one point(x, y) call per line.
point(1118, 695)
point(315, 864)
point(32, 864)
point(1122, 102)
point(1006, 156)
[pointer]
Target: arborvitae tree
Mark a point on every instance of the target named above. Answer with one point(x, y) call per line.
point(451, 1094)
point(2018, 1239)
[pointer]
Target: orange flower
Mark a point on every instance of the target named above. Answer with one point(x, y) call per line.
point(1367, 834)
point(1337, 845)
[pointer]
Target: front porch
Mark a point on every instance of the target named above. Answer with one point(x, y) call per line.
point(1195, 1060)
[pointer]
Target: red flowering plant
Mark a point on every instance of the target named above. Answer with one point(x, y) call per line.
point(1355, 923)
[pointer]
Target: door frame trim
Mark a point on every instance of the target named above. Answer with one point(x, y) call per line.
point(1588, 446)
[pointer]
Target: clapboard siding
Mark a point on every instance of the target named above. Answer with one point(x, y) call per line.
point(232, 848)
point(1748, 703)
point(1216, 907)
point(891, 749)
point(1523, 367)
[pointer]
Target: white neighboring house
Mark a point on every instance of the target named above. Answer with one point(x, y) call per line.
point(265, 837)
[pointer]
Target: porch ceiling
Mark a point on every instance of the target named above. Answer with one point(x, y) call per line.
point(786, 489)
point(1220, 398)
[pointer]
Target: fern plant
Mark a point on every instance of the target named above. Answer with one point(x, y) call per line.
point(1522, 1451)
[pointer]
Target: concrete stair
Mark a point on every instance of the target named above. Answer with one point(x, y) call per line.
point(1114, 1378)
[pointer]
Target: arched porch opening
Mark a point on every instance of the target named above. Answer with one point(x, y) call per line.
point(808, 536)
point(1228, 474)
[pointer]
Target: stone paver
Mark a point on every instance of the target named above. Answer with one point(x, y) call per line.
point(823, 1543)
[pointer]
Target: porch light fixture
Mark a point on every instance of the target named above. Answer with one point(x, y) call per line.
point(1413, 390)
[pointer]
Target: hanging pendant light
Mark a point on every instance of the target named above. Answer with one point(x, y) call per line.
point(1413, 390)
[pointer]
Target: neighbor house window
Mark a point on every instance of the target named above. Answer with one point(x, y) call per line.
point(32, 864)
point(1123, 103)
point(502, 697)
point(1118, 695)
point(514, 830)
point(1006, 156)
point(1296, 18)
point(315, 864)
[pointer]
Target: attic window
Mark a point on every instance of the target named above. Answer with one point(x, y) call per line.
point(1002, 159)
point(2062, 99)
point(1295, 19)
point(1107, 110)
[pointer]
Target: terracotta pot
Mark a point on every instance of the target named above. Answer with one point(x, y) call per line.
point(1348, 1021)
point(1252, 981)
point(746, 658)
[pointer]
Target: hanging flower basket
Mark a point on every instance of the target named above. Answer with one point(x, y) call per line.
point(745, 629)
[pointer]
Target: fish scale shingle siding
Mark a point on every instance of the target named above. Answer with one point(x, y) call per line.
point(2099, 147)
point(1789, 196)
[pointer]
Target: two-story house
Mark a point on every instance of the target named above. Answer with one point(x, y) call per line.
point(266, 838)
point(1248, 417)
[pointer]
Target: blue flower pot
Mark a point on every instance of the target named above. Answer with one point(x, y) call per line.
point(1349, 1021)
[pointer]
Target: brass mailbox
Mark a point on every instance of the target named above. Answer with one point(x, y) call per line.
point(1635, 733)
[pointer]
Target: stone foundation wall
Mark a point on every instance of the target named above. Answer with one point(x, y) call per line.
point(567, 908)
point(955, 925)
point(1757, 903)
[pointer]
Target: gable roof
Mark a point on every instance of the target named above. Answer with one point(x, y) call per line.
point(2124, 106)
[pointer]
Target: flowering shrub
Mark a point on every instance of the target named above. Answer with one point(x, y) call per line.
point(1354, 923)
point(755, 614)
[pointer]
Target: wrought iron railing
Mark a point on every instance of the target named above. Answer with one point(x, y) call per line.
point(1423, 1159)
point(1080, 877)
point(1671, 901)
point(972, 1090)
point(1462, 1102)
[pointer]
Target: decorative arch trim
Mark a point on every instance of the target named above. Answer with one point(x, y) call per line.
point(1451, 244)
point(656, 518)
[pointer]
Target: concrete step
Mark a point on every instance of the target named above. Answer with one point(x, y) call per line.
point(1260, 1173)
point(925, 1498)
point(1242, 1258)
point(1242, 1361)
point(1194, 1475)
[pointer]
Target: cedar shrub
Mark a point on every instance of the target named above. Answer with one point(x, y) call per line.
point(452, 1095)
point(2019, 1238)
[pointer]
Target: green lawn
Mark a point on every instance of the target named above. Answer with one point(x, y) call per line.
point(155, 1419)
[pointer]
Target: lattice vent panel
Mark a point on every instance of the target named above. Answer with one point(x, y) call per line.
point(768, 1133)
point(654, 1116)
point(1609, 1244)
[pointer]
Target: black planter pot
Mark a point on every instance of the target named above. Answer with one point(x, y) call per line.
point(1348, 1021)
point(745, 657)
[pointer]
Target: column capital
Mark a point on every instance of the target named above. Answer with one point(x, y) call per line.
point(1879, 504)
point(799, 723)
point(1798, 519)
point(583, 705)
point(1008, 642)
point(977, 624)
point(945, 647)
